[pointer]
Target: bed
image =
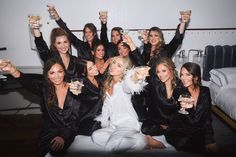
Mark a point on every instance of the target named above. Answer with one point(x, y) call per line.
point(220, 70)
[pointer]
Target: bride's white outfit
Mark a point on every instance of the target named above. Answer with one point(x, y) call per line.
point(120, 126)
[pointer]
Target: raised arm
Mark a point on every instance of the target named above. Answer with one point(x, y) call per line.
point(103, 34)
point(29, 81)
point(179, 34)
point(134, 80)
point(41, 45)
point(135, 54)
point(76, 42)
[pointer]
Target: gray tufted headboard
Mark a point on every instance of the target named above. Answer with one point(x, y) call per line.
point(218, 57)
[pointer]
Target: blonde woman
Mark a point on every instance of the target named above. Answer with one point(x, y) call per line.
point(120, 126)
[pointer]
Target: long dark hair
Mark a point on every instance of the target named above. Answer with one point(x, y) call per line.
point(50, 88)
point(195, 70)
point(57, 32)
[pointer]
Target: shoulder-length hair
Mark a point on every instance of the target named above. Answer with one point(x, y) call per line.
point(195, 70)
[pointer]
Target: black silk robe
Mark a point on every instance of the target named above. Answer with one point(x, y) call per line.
point(44, 53)
point(160, 109)
point(84, 51)
point(193, 131)
point(56, 121)
point(91, 106)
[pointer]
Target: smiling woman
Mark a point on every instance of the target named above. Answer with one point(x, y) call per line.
point(59, 48)
point(59, 107)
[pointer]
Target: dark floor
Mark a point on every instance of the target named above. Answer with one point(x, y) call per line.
point(18, 138)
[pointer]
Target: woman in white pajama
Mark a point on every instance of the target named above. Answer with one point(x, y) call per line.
point(120, 126)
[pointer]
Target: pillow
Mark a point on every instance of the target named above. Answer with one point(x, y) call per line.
point(223, 76)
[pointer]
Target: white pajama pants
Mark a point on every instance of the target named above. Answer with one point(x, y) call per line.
point(120, 139)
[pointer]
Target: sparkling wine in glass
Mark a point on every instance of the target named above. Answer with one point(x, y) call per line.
point(187, 102)
point(75, 82)
point(185, 15)
point(34, 20)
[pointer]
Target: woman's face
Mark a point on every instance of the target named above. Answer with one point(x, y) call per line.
point(100, 52)
point(154, 38)
point(116, 67)
point(88, 34)
point(123, 50)
point(186, 77)
point(163, 73)
point(62, 44)
point(91, 69)
point(115, 36)
point(56, 74)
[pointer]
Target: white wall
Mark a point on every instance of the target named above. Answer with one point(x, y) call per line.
point(129, 14)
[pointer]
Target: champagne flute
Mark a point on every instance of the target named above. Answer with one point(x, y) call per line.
point(187, 102)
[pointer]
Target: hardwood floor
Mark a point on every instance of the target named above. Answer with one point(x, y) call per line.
point(19, 135)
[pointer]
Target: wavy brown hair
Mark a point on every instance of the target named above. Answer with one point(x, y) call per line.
point(167, 62)
point(107, 83)
point(161, 42)
point(50, 88)
point(57, 32)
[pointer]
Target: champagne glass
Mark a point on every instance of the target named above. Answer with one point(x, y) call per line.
point(103, 16)
point(103, 13)
point(185, 15)
point(77, 82)
point(3, 63)
point(142, 71)
point(34, 20)
point(187, 102)
point(124, 32)
point(51, 9)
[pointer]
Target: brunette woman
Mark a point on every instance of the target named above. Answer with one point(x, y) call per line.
point(60, 108)
point(90, 36)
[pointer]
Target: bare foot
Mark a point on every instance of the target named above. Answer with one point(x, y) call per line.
point(154, 144)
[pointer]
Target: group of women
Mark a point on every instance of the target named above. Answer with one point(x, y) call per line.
point(128, 99)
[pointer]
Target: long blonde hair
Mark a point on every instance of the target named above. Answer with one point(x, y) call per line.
point(107, 83)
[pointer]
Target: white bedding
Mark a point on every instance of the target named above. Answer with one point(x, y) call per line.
point(225, 98)
point(214, 90)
